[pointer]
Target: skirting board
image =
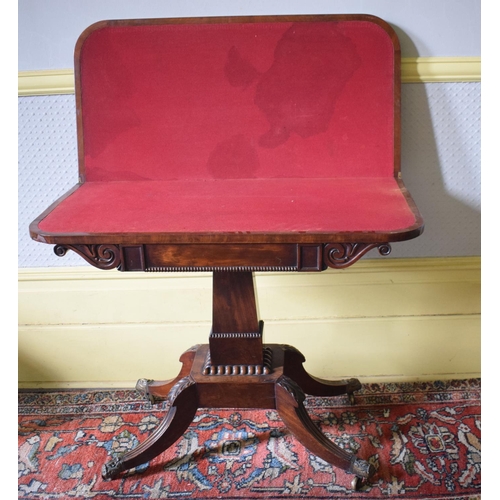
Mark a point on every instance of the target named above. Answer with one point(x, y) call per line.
point(413, 70)
point(393, 320)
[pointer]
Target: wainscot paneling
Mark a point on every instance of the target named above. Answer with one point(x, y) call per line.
point(392, 320)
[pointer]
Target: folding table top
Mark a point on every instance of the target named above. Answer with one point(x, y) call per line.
point(236, 130)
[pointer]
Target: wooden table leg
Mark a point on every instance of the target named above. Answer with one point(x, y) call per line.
point(314, 386)
point(183, 405)
point(157, 391)
point(290, 407)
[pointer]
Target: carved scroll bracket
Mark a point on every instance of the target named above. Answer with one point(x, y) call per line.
point(310, 257)
point(342, 255)
point(100, 256)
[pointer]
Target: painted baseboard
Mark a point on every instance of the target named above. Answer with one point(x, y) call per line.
point(413, 70)
point(395, 319)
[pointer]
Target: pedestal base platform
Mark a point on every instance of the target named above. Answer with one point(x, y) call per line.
point(280, 383)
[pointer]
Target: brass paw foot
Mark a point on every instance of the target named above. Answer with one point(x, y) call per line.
point(142, 386)
point(352, 385)
point(111, 469)
point(363, 471)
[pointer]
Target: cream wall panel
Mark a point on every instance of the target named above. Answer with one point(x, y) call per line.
point(403, 318)
point(424, 348)
point(90, 355)
point(365, 290)
point(119, 299)
point(415, 348)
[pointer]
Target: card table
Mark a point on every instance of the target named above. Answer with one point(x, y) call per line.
point(236, 145)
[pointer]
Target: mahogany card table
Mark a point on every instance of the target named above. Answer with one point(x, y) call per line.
point(236, 145)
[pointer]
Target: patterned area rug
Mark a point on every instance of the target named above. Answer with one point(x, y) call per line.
point(422, 438)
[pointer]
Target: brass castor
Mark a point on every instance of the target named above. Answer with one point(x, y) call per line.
point(363, 471)
point(359, 483)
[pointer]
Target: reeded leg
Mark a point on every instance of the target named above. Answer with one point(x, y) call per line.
point(293, 368)
point(289, 404)
point(159, 390)
point(184, 403)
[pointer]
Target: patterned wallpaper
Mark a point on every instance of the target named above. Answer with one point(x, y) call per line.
point(440, 165)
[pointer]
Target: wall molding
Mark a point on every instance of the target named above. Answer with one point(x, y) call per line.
point(393, 320)
point(440, 69)
point(46, 82)
point(413, 70)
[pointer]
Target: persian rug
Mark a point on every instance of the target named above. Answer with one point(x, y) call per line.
point(422, 438)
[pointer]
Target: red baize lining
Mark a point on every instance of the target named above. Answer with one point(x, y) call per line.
point(234, 205)
point(245, 127)
point(245, 100)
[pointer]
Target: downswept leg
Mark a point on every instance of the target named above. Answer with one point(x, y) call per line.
point(293, 368)
point(289, 404)
point(184, 403)
point(157, 391)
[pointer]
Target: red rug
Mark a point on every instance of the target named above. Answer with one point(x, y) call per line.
point(422, 438)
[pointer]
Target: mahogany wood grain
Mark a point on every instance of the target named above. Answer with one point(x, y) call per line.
point(289, 404)
point(314, 386)
point(227, 238)
point(220, 255)
point(156, 390)
point(236, 336)
point(184, 403)
point(228, 258)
